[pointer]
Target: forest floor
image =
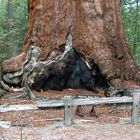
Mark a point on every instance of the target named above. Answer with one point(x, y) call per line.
point(48, 124)
point(87, 131)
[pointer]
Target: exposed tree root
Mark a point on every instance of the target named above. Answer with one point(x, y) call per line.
point(11, 89)
point(63, 68)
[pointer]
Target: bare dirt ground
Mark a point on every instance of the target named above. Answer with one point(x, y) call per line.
point(48, 124)
point(86, 131)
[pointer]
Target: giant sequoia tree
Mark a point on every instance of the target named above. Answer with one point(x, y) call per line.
point(72, 44)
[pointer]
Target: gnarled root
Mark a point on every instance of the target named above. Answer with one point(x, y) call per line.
point(11, 89)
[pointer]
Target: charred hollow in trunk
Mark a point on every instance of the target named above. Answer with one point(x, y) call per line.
point(72, 44)
point(64, 68)
point(71, 72)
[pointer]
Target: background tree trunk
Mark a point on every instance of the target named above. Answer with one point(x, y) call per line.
point(97, 34)
point(10, 17)
point(9, 36)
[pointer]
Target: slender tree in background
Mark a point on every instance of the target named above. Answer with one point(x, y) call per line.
point(9, 47)
point(72, 44)
point(135, 27)
point(10, 17)
point(131, 17)
point(9, 36)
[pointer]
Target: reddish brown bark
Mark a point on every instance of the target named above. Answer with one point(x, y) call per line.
point(97, 32)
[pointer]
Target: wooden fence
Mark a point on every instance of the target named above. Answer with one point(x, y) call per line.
point(68, 102)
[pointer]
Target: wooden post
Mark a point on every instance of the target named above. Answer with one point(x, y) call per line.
point(68, 110)
point(135, 115)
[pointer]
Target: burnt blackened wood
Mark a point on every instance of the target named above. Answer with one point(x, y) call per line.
point(71, 72)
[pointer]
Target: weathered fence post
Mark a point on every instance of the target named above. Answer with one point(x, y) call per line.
point(68, 110)
point(135, 114)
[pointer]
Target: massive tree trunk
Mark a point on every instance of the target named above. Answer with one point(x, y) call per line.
point(72, 44)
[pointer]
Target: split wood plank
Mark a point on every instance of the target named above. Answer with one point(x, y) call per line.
point(6, 108)
point(50, 103)
point(60, 103)
point(96, 101)
point(86, 101)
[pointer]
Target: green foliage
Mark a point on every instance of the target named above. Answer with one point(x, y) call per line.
point(19, 27)
point(131, 17)
point(2, 28)
point(20, 21)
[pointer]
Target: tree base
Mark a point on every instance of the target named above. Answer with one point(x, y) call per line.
point(63, 68)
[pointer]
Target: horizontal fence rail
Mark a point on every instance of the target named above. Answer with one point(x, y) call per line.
point(68, 101)
point(86, 101)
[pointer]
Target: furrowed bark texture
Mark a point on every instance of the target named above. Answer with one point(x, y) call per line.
point(97, 33)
